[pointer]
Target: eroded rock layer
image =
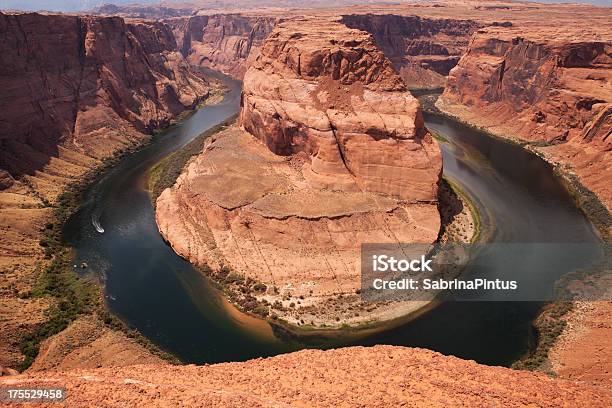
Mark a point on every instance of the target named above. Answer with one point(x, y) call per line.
point(225, 42)
point(333, 154)
point(74, 90)
point(543, 86)
point(380, 376)
point(321, 88)
point(422, 50)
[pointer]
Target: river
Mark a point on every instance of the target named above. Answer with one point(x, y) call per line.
point(168, 301)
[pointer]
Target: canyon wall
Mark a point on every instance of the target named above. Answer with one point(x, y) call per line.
point(74, 90)
point(144, 11)
point(225, 42)
point(333, 152)
point(422, 50)
point(548, 88)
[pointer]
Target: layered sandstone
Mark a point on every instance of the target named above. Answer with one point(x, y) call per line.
point(333, 153)
point(547, 86)
point(329, 92)
point(380, 376)
point(225, 42)
point(422, 50)
point(75, 90)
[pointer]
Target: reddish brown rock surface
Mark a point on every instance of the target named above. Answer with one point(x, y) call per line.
point(222, 42)
point(381, 376)
point(342, 158)
point(584, 351)
point(546, 86)
point(321, 88)
point(88, 343)
point(422, 50)
point(74, 90)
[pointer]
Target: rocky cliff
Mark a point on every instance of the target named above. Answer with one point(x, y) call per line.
point(224, 42)
point(333, 153)
point(74, 90)
point(423, 50)
point(380, 376)
point(544, 87)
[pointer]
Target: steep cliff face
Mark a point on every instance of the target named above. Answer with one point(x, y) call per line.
point(77, 88)
point(334, 154)
point(422, 50)
point(73, 91)
point(543, 88)
point(340, 101)
point(224, 42)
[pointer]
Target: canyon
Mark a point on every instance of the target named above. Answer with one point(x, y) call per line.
point(223, 42)
point(550, 88)
point(422, 50)
point(316, 157)
point(76, 91)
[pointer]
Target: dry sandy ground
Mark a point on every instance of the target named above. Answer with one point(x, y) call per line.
point(87, 343)
point(584, 351)
point(381, 376)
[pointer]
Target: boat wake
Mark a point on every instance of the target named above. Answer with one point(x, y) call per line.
point(95, 221)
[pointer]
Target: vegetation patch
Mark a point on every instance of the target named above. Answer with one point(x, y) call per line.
point(588, 203)
point(548, 326)
point(240, 290)
point(164, 174)
point(74, 295)
point(450, 200)
point(438, 137)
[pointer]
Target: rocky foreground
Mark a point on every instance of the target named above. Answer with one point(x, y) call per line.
point(333, 153)
point(381, 376)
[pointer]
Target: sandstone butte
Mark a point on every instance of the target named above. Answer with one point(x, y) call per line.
point(332, 153)
point(380, 376)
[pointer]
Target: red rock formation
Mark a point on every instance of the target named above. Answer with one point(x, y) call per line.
point(542, 87)
point(328, 91)
point(422, 50)
point(345, 159)
point(77, 88)
point(73, 91)
point(224, 42)
point(374, 377)
point(143, 11)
